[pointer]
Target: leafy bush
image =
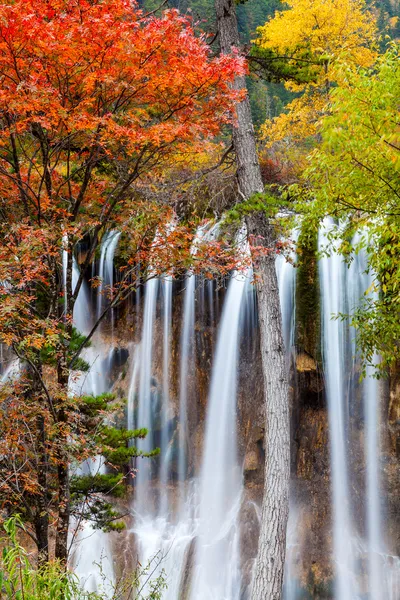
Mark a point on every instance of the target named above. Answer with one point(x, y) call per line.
point(21, 580)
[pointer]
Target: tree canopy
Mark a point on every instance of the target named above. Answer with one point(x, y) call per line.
point(311, 38)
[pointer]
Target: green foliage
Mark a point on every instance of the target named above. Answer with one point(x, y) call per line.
point(355, 176)
point(21, 580)
point(48, 353)
point(267, 202)
point(91, 492)
point(307, 290)
point(300, 65)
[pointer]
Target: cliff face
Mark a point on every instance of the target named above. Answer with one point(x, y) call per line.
point(310, 529)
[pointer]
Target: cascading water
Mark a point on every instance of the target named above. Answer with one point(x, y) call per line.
point(187, 348)
point(146, 399)
point(188, 524)
point(106, 269)
point(216, 571)
point(92, 546)
point(286, 274)
point(183, 537)
point(332, 277)
point(187, 356)
point(359, 282)
point(166, 408)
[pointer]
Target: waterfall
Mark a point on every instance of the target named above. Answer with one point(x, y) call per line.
point(374, 526)
point(186, 350)
point(106, 269)
point(166, 451)
point(92, 546)
point(217, 573)
point(187, 511)
point(146, 401)
point(361, 281)
point(286, 274)
point(332, 277)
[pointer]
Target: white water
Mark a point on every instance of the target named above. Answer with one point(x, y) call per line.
point(286, 274)
point(360, 280)
point(187, 349)
point(332, 281)
point(198, 544)
point(91, 546)
point(146, 408)
point(217, 573)
point(106, 270)
point(166, 411)
point(187, 355)
point(196, 541)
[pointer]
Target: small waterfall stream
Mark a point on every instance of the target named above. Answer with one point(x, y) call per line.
point(186, 350)
point(92, 546)
point(146, 397)
point(216, 571)
point(332, 275)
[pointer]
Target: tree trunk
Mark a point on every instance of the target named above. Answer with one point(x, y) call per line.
point(41, 521)
point(61, 551)
point(268, 577)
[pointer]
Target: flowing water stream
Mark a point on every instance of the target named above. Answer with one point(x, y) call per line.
point(92, 554)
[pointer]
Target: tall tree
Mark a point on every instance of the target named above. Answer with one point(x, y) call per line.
point(269, 571)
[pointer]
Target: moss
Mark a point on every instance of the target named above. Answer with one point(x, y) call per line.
point(307, 292)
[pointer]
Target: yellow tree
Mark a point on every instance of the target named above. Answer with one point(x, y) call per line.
point(321, 33)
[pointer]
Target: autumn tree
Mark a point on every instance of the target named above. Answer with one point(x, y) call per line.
point(307, 41)
point(96, 101)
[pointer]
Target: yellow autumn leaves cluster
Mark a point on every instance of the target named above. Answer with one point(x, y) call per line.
point(326, 33)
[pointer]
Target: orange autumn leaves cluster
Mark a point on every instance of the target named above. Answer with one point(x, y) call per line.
point(94, 97)
point(89, 83)
point(104, 73)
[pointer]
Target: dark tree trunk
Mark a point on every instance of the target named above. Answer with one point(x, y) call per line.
point(61, 551)
point(268, 578)
point(41, 520)
point(63, 481)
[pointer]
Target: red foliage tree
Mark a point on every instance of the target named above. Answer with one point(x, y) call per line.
point(95, 99)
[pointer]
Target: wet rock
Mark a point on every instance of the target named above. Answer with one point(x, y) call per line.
point(251, 461)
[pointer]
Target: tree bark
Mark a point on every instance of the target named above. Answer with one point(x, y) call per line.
point(269, 568)
point(41, 521)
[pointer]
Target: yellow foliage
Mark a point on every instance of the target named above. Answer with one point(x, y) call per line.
point(300, 121)
point(330, 31)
